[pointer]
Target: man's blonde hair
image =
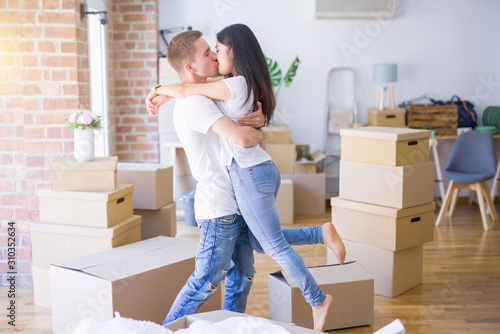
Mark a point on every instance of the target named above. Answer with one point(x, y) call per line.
point(181, 50)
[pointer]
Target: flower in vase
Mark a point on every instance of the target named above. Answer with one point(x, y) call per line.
point(83, 118)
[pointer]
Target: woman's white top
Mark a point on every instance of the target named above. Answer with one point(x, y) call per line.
point(235, 108)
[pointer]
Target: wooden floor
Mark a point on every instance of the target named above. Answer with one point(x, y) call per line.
point(460, 292)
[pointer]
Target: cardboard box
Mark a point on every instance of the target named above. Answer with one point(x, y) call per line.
point(394, 272)
point(398, 187)
point(221, 315)
point(96, 175)
point(51, 243)
point(309, 166)
point(41, 286)
point(385, 145)
point(389, 228)
point(284, 201)
point(283, 156)
point(154, 184)
point(139, 280)
point(308, 193)
point(277, 134)
point(350, 285)
point(86, 208)
point(158, 222)
point(387, 117)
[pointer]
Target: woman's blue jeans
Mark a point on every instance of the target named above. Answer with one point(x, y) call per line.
point(256, 189)
point(224, 251)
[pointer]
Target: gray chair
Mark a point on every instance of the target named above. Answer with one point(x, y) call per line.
point(471, 163)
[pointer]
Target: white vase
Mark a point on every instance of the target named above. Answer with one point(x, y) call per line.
point(84, 144)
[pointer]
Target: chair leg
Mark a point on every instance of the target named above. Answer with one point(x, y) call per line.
point(489, 200)
point(454, 201)
point(495, 182)
point(446, 203)
point(439, 174)
point(479, 191)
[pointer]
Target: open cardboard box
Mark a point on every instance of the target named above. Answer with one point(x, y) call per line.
point(96, 175)
point(350, 285)
point(216, 316)
point(395, 327)
point(139, 280)
point(309, 166)
point(154, 183)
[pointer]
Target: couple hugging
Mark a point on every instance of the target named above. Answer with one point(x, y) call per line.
point(218, 123)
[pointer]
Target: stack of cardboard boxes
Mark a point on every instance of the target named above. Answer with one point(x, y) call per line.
point(85, 212)
point(350, 285)
point(385, 208)
point(300, 180)
point(153, 196)
point(283, 152)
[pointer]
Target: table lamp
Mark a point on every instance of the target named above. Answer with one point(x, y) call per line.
point(385, 73)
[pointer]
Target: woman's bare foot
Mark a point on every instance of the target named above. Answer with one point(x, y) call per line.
point(332, 239)
point(320, 313)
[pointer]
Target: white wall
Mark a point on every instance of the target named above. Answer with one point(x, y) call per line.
point(441, 47)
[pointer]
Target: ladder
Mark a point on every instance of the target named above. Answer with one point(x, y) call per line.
point(340, 112)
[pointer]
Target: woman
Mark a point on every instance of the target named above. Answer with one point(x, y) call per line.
point(254, 176)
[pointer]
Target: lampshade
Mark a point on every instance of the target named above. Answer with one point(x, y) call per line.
point(384, 73)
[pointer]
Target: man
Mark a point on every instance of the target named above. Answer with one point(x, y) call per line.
point(224, 250)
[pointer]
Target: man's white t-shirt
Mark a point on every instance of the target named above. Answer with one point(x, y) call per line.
point(234, 108)
point(214, 196)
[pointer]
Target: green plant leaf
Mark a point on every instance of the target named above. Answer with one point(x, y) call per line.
point(274, 71)
point(291, 71)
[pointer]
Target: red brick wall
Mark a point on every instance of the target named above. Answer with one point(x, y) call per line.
point(44, 76)
point(135, 54)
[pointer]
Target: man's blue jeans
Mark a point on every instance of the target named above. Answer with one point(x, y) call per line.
point(255, 189)
point(224, 251)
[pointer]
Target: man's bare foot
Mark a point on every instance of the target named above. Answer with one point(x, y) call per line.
point(332, 239)
point(320, 313)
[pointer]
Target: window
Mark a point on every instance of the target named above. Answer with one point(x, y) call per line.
point(98, 76)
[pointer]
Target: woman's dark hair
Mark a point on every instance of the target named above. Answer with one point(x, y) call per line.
point(249, 62)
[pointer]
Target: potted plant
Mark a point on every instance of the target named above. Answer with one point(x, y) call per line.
point(276, 76)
